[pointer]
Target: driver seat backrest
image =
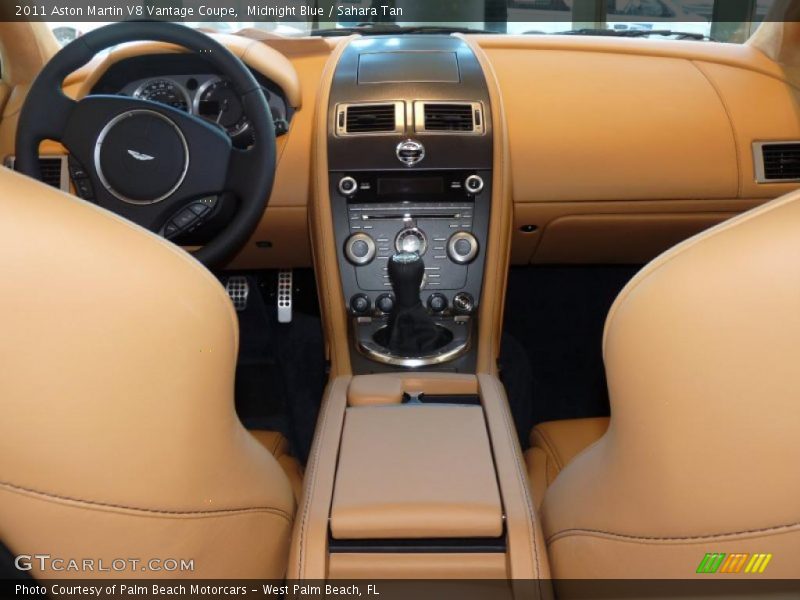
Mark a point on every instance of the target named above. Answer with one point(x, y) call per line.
point(702, 355)
point(118, 435)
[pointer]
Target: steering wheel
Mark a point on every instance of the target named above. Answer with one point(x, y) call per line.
point(155, 165)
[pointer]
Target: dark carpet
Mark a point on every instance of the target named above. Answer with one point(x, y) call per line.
point(554, 323)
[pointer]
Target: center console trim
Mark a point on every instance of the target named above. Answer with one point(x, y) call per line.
point(312, 556)
point(457, 347)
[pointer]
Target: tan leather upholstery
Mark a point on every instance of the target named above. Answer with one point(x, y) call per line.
point(701, 455)
point(388, 388)
point(279, 447)
point(525, 557)
point(386, 565)
point(408, 471)
point(119, 436)
point(554, 445)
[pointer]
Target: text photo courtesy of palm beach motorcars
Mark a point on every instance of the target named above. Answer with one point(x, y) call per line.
point(399, 298)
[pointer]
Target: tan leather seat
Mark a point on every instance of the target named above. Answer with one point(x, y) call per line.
point(279, 448)
point(554, 445)
point(702, 452)
point(118, 435)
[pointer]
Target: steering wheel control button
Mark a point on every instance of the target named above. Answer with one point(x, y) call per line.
point(411, 241)
point(141, 157)
point(462, 247)
point(184, 219)
point(76, 170)
point(464, 303)
point(84, 188)
point(385, 303)
point(474, 184)
point(170, 230)
point(360, 249)
point(348, 186)
point(360, 304)
point(437, 303)
point(199, 209)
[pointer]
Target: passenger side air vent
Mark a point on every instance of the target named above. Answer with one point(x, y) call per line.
point(777, 162)
point(54, 170)
point(449, 117)
point(363, 119)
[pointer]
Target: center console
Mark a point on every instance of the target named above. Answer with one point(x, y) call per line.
point(415, 471)
point(410, 143)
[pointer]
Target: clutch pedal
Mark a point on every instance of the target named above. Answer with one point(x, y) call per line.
point(238, 289)
point(285, 290)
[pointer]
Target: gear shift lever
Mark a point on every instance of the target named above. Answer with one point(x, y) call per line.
point(411, 330)
point(406, 271)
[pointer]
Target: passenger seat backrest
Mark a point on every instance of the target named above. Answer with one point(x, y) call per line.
point(702, 354)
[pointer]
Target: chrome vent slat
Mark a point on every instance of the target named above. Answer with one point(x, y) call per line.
point(448, 117)
point(464, 118)
point(372, 118)
point(777, 162)
point(53, 169)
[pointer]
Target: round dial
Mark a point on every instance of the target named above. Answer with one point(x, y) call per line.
point(164, 91)
point(411, 240)
point(217, 101)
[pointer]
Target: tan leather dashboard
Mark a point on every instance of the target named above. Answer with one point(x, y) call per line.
point(619, 148)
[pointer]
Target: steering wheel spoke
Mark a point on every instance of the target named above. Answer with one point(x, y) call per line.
point(150, 163)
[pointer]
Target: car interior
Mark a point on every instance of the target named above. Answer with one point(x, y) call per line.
point(385, 302)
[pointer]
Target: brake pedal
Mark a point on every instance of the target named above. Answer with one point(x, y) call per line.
point(238, 289)
point(285, 290)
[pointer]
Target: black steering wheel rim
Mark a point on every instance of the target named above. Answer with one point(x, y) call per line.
point(249, 174)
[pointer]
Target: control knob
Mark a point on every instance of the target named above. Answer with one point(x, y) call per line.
point(411, 241)
point(385, 303)
point(437, 303)
point(474, 184)
point(348, 186)
point(360, 249)
point(360, 304)
point(464, 303)
point(462, 247)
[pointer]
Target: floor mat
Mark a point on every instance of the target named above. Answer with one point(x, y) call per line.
point(281, 370)
point(555, 316)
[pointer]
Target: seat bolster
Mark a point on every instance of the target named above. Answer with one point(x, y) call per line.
point(279, 447)
point(536, 459)
point(554, 445)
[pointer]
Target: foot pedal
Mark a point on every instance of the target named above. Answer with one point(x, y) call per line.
point(238, 289)
point(285, 287)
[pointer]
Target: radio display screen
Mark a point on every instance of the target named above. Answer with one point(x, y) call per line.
point(410, 186)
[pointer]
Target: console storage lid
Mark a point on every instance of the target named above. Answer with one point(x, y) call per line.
point(415, 472)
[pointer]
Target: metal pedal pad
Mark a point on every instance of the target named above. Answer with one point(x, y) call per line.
point(285, 288)
point(238, 289)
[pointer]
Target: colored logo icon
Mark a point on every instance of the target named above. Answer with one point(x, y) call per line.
point(720, 562)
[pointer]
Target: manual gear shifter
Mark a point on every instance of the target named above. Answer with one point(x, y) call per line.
point(411, 331)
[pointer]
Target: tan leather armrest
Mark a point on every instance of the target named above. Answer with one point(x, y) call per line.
point(389, 388)
point(415, 471)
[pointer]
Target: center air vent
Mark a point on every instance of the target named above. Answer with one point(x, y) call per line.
point(363, 119)
point(54, 170)
point(777, 162)
point(449, 117)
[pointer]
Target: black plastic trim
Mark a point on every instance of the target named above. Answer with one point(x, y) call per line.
point(419, 546)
